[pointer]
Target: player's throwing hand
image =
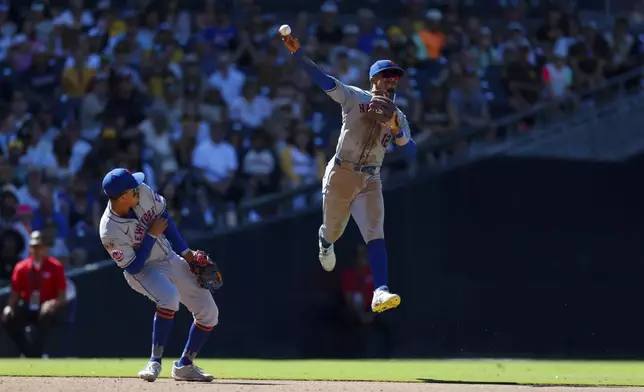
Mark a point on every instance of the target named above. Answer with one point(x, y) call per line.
point(291, 43)
point(158, 226)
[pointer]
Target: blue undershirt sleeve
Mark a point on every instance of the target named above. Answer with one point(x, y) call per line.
point(141, 255)
point(409, 150)
point(319, 77)
point(173, 235)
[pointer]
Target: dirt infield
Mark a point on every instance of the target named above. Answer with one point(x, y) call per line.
point(60, 384)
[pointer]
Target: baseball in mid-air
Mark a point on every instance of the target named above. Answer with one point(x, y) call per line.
point(285, 30)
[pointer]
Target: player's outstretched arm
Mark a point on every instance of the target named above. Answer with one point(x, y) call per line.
point(319, 77)
point(339, 92)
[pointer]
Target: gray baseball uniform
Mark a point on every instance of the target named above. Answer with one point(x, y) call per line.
point(166, 278)
point(351, 185)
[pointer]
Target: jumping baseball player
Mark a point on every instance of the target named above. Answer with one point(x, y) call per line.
point(142, 239)
point(351, 185)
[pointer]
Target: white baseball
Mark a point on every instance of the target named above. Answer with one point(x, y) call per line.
point(285, 30)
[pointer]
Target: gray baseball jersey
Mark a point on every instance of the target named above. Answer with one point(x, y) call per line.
point(359, 137)
point(122, 236)
point(166, 278)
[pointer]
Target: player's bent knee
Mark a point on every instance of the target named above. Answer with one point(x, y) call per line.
point(169, 300)
point(208, 316)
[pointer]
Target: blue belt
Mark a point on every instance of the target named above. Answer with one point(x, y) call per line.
point(368, 169)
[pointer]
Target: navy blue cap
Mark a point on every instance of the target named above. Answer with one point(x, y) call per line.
point(119, 181)
point(384, 65)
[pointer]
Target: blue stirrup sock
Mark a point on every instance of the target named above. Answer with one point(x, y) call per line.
point(196, 339)
point(161, 327)
point(377, 254)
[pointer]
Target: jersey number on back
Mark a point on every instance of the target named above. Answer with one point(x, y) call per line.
point(386, 139)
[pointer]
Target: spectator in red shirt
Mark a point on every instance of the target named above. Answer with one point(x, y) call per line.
point(38, 293)
point(370, 329)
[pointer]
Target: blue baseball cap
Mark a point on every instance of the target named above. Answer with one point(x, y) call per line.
point(385, 65)
point(119, 181)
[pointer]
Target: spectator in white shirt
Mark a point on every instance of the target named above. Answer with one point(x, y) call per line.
point(75, 16)
point(259, 166)
point(180, 21)
point(564, 43)
point(557, 77)
point(43, 25)
point(159, 149)
point(28, 193)
point(39, 151)
point(146, 33)
point(216, 163)
point(227, 79)
point(80, 147)
point(251, 108)
point(344, 71)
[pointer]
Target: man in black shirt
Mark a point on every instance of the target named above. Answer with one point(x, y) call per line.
point(43, 77)
point(588, 57)
point(522, 80)
point(552, 29)
point(328, 32)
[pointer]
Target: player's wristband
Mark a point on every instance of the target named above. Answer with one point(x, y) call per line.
point(399, 134)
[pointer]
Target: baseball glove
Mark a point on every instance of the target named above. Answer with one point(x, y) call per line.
point(383, 110)
point(206, 271)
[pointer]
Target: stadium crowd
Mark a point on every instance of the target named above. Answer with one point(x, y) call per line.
point(208, 105)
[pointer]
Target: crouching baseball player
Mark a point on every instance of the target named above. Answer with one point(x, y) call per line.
point(142, 239)
point(351, 185)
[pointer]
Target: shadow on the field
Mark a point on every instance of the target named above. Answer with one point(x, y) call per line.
point(432, 381)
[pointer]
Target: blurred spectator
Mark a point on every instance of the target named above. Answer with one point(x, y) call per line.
point(12, 245)
point(227, 79)
point(558, 78)
point(46, 214)
point(328, 32)
point(345, 72)
point(431, 35)
point(482, 52)
point(467, 106)
point(620, 41)
point(22, 224)
point(39, 151)
point(28, 193)
point(589, 57)
point(259, 166)
point(38, 287)
point(522, 79)
point(300, 161)
point(216, 163)
point(158, 142)
point(250, 108)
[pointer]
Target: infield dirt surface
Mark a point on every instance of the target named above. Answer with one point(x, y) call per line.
point(87, 384)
